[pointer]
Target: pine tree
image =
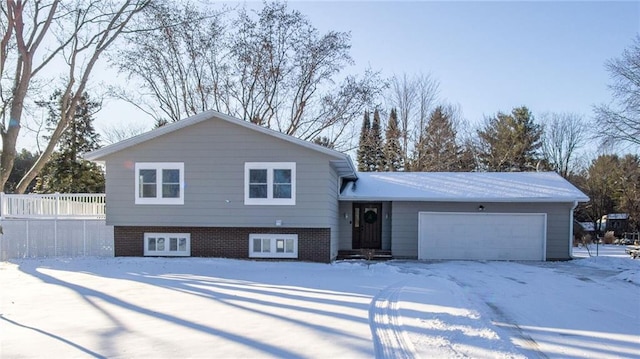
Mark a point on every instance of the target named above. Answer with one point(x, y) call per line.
point(24, 160)
point(324, 141)
point(438, 150)
point(510, 142)
point(364, 146)
point(67, 172)
point(377, 157)
point(392, 151)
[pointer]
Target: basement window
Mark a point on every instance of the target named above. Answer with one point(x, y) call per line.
point(273, 245)
point(167, 244)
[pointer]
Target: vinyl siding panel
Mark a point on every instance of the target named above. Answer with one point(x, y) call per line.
point(405, 223)
point(346, 229)
point(334, 212)
point(214, 153)
point(387, 223)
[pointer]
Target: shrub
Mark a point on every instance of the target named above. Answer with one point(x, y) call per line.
point(609, 237)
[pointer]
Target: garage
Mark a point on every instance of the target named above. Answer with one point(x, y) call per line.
point(482, 236)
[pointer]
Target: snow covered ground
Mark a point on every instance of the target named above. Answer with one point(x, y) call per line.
point(197, 307)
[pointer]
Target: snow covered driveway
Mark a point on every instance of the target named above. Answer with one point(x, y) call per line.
point(196, 307)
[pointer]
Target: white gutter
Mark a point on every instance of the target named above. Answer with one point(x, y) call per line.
point(575, 204)
point(461, 199)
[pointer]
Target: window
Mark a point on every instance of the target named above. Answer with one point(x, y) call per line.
point(167, 244)
point(273, 245)
point(270, 183)
point(159, 183)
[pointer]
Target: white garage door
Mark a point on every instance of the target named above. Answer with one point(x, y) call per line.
point(482, 236)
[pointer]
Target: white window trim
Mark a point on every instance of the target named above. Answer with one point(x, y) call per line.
point(272, 253)
point(158, 167)
point(270, 166)
point(166, 251)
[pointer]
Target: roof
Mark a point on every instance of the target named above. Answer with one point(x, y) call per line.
point(618, 216)
point(587, 226)
point(342, 162)
point(462, 187)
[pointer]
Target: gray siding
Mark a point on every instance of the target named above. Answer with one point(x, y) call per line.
point(345, 225)
point(405, 223)
point(334, 212)
point(214, 153)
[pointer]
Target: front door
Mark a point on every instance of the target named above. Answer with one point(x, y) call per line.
point(367, 226)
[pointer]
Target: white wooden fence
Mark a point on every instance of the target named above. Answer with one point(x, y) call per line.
point(54, 225)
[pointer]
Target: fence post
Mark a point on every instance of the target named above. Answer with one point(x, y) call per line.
point(84, 237)
point(26, 253)
point(2, 209)
point(57, 206)
point(55, 237)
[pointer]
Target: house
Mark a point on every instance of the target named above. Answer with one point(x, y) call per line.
point(618, 223)
point(213, 185)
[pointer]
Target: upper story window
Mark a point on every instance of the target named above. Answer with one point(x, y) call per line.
point(159, 183)
point(270, 183)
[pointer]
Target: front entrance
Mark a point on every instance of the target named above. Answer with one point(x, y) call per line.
point(367, 226)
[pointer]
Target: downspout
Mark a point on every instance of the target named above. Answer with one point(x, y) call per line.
point(575, 204)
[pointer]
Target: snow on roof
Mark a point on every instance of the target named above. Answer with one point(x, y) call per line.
point(462, 187)
point(587, 226)
point(617, 216)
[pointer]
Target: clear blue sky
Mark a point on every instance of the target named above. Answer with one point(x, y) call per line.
point(490, 56)
point(487, 56)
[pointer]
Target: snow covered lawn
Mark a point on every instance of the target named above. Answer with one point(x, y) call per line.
point(197, 307)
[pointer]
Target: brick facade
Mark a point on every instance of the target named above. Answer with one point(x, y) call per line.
point(314, 244)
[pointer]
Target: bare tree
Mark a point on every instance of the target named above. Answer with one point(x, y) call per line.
point(619, 122)
point(413, 97)
point(76, 35)
point(178, 61)
point(116, 133)
point(564, 134)
point(271, 67)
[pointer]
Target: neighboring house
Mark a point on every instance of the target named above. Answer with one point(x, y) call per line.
point(618, 223)
point(213, 185)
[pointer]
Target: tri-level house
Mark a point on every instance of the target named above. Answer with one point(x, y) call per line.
point(215, 186)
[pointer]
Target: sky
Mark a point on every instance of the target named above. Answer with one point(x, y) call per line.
point(487, 56)
point(221, 308)
point(491, 56)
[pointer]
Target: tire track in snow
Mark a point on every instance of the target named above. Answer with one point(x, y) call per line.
point(527, 342)
point(389, 340)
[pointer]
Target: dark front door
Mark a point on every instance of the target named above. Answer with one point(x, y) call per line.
point(367, 226)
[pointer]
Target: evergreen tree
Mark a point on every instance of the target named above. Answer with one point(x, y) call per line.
point(364, 146)
point(392, 151)
point(377, 157)
point(67, 172)
point(24, 160)
point(510, 142)
point(438, 150)
point(324, 141)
